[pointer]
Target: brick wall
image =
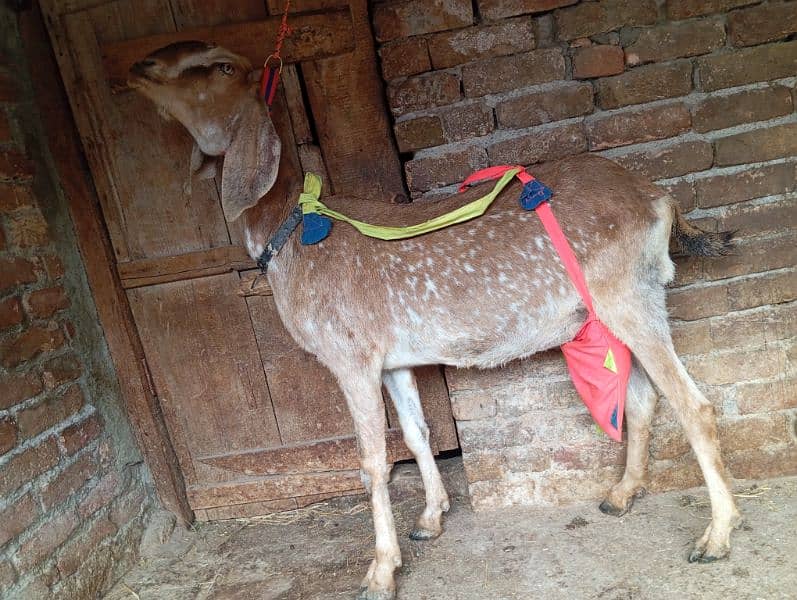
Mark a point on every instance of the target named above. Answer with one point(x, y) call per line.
point(699, 96)
point(72, 498)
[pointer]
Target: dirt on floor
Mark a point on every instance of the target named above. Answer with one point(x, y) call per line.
point(321, 552)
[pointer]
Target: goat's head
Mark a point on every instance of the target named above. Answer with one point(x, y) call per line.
point(212, 92)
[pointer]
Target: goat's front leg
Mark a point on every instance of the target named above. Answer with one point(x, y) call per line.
point(363, 394)
point(403, 389)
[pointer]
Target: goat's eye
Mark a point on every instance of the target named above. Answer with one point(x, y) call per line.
point(226, 68)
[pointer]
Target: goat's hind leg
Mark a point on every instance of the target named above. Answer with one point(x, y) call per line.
point(401, 385)
point(639, 408)
point(648, 337)
point(364, 398)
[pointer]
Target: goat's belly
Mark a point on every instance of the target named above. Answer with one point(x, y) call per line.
point(484, 345)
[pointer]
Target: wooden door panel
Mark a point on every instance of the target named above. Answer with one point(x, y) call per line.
point(307, 400)
point(204, 360)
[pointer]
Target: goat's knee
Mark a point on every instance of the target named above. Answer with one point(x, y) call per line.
point(373, 471)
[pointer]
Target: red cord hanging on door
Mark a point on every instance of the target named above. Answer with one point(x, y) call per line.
point(269, 80)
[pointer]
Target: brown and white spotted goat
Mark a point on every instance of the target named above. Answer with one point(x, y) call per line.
point(478, 294)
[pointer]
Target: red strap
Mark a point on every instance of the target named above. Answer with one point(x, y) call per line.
point(565, 252)
point(550, 223)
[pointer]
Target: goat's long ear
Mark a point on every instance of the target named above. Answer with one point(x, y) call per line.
point(251, 162)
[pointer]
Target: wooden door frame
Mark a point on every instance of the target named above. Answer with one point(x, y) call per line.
point(113, 309)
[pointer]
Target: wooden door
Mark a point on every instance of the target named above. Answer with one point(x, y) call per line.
point(256, 424)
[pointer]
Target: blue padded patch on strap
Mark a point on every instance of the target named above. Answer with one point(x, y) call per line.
point(534, 194)
point(614, 418)
point(315, 228)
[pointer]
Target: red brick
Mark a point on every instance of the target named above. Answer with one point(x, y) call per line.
point(757, 146)
point(46, 540)
point(436, 171)
point(499, 9)
point(680, 475)
point(542, 107)
point(566, 487)
point(698, 303)
point(645, 84)
point(539, 146)
point(758, 219)
point(761, 291)
point(589, 456)
point(505, 73)
point(675, 40)
point(484, 466)
point(14, 165)
point(467, 121)
point(68, 481)
point(590, 18)
point(457, 47)
point(423, 132)
point(29, 344)
point(422, 92)
point(32, 421)
point(46, 302)
point(10, 312)
point(670, 161)
point(393, 19)
point(753, 432)
point(17, 518)
point(756, 182)
point(79, 435)
point(28, 465)
point(757, 256)
point(766, 397)
point(16, 387)
point(27, 229)
point(761, 463)
point(597, 61)
point(8, 576)
point(692, 337)
point(75, 553)
point(60, 370)
point(527, 459)
point(473, 404)
point(684, 194)
point(747, 65)
point(719, 112)
point(8, 434)
point(762, 24)
point(15, 271)
point(404, 57)
point(683, 9)
point(621, 129)
point(732, 367)
point(14, 196)
point(101, 495)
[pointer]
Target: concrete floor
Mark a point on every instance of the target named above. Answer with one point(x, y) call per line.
point(321, 552)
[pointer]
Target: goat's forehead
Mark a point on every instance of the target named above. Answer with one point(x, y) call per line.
point(194, 53)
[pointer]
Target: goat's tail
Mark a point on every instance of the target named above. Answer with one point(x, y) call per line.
point(696, 242)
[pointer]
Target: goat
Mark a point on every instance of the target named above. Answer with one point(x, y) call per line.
point(477, 294)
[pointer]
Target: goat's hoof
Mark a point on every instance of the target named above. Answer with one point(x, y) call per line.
point(367, 594)
point(702, 555)
point(608, 508)
point(420, 534)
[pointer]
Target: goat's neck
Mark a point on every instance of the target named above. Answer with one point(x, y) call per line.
point(263, 219)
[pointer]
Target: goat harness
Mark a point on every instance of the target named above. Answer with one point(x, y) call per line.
point(599, 363)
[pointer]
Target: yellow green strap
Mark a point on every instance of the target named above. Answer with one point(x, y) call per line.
point(310, 203)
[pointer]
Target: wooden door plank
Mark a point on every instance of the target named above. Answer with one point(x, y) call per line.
point(353, 126)
point(336, 454)
point(276, 7)
point(113, 311)
point(204, 360)
point(274, 487)
point(149, 271)
point(307, 400)
point(314, 36)
point(196, 13)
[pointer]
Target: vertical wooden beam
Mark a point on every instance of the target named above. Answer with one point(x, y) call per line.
point(113, 310)
point(348, 105)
